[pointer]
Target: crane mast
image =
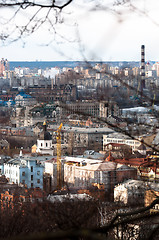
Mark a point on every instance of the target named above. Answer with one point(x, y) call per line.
point(59, 175)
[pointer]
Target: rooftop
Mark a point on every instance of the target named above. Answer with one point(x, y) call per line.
point(19, 160)
point(133, 184)
point(119, 135)
point(83, 130)
point(140, 184)
point(82, 159)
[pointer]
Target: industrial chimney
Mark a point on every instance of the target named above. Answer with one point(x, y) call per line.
point(142, 68)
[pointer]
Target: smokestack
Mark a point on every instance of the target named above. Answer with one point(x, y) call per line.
point(142, 68)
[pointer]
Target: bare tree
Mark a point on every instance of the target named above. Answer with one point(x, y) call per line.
point(53, 218)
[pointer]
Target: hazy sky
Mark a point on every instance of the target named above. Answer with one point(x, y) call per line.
point(114, 31)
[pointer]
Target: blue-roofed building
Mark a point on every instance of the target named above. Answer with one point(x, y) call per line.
point(23, 99)
point(25, 170)
point(9, 103)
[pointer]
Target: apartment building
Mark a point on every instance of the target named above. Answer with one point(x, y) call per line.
point(120, 138)
point(83, 172)
point(101, 109)
point(27, 171)
point(76, 140)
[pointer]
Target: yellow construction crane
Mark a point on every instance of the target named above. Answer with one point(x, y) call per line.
point(59, 175)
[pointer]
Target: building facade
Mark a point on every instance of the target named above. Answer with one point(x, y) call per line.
point(23, 99)
point(76, 140)
point(122, 139)
point(25, 171)
point(82, 172)
point(130, 192)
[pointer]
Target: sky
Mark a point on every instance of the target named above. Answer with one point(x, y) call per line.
point(111, 31)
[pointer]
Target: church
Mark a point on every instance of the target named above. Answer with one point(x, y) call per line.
point(44, 142)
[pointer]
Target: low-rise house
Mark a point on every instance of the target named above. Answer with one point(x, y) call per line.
point(130, 192)
point(149, 169)
point(27, 171)
point(117, 147)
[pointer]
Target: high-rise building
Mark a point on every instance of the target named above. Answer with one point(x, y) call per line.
point(4, 65)
point(142, 67)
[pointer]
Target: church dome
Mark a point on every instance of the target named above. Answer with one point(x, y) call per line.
point(45, 135)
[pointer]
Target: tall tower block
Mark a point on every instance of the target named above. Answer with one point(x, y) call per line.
point(142, 68)
point(4, 65)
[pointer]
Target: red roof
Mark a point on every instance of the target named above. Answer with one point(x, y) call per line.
point(131, 161)
point(109, 158)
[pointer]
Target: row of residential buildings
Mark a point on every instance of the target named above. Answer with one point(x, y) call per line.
point(117, 180)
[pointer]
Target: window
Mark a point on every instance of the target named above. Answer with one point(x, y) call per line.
point(46, 144)
point(23, 173)
point(31, 168)
point(41, 144)
point(32, 185)
point(38, 172)
point(31, 177)
point(38, 180)
point(23, 181)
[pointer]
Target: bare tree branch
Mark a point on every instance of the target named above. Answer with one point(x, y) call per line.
point(26, 4)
